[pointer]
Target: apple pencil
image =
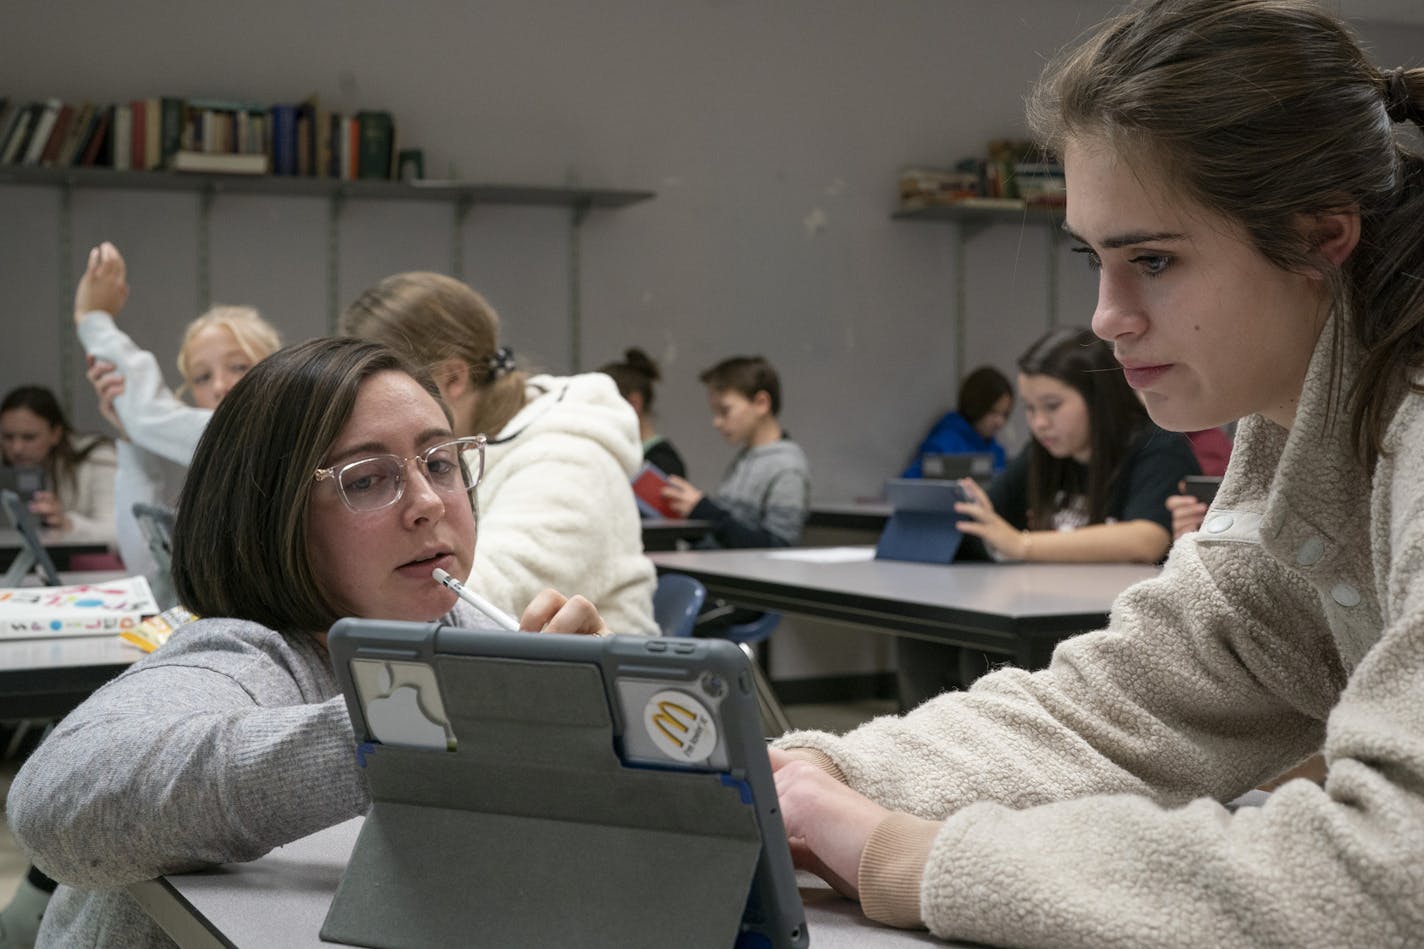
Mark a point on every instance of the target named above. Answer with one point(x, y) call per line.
point(501, 619)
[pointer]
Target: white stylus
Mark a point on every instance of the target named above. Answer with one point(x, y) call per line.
point(501, 619)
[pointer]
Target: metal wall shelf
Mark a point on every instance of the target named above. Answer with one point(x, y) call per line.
point(476, 193)
point(460, 195)
point(970, 219)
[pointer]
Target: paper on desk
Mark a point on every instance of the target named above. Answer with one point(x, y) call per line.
point(825, 554)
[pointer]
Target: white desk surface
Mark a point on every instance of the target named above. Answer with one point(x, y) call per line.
point(54, 541)
point(279, 902)
point(983, 605)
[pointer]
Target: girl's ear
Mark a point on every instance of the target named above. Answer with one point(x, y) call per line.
point(452, 378)
point(1334, 236)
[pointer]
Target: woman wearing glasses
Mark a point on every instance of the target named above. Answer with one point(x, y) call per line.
point(329, 483)
point(555, 504)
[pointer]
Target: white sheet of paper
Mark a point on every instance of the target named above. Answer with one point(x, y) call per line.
point(824, 554)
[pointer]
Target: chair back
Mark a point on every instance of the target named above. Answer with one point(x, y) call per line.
point(752, 631)
point(156, 522)
point(676, 602)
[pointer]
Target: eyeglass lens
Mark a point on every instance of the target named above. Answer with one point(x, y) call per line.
point(376, 482)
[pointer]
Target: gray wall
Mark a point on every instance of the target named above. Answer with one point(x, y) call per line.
point(771, 132)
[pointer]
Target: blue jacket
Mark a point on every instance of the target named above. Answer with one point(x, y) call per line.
point(953, 435)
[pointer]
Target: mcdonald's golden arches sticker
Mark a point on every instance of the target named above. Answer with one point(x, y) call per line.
point(680, 726)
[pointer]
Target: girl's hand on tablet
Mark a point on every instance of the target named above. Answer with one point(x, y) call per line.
point(827, 824)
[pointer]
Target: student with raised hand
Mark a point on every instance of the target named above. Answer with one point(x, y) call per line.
point(763, 498)
point(556, 507)
point(1259, 244)
point(1092, 484)
point(329, 483)
point(634, 377)
point(79, 469)
point(158, 431)
point(985, 401)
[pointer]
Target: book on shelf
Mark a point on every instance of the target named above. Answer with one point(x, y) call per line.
point(350, 147)
point(57, 133)
point(227, 163)
point(138, 135)
point(377, 148)
point(43, 126)
point(78, 129)
point(84, 609)
point(284, 139)
point(121, 137)
point(19, 133)
point(93, 150)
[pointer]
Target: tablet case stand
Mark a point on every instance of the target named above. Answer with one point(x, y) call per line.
point(543, 876)
point(923, 527)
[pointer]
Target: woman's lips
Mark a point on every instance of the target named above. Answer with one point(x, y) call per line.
point(1143, 376)
point(421, 569)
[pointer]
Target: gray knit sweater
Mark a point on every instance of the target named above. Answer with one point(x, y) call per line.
point(229, 741)
point(762, 499)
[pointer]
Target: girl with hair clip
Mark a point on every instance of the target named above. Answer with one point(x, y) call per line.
point(328, 483)
point(634, 377)
point(556, 506)
point(157, 430)
point(1238, 177)
point(79, 470)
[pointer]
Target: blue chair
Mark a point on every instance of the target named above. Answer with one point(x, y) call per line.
point(754, 631)
point(676, 603)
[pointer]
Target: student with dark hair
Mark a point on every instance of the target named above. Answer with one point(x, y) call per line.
point(1250, 189)
point(1093, 482)
point(763, 498)
point(985, 401)
point(634, 377)
point(1091, 486)
point(556, 505)
point(79, 470)
point(328, 483)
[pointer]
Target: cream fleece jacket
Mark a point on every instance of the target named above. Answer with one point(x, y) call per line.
point(556, 506)
point(1081, 804)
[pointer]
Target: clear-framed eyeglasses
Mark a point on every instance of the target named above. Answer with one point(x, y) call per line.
point(370, 484)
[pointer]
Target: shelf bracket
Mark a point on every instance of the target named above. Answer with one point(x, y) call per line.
point(68, 339)
point(204, 247)
point(334, 207)
point(576, 218)
point(458, 217)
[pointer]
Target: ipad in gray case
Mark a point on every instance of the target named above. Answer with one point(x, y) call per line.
point(548, 790)
point(32, 553)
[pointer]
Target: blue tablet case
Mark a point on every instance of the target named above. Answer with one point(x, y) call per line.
point(923, 525)
point(548, 790)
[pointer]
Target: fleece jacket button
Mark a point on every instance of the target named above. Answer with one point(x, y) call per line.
point(1345, 595)
point(1310, 552)
point(1220, 523)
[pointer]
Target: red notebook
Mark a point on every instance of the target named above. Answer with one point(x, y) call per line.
point(648, 487)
